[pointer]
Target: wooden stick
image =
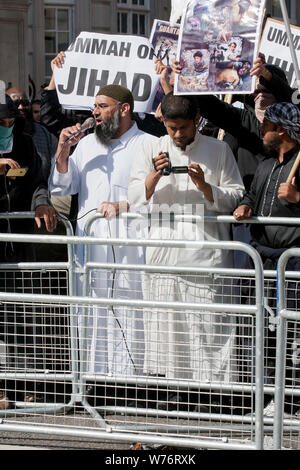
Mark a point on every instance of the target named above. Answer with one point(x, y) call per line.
point(227, 99)
point(294, 169)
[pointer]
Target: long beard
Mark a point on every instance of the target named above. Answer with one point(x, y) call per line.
point(108, 129)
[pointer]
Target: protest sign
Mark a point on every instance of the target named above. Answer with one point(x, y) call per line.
point(217, 45)
point(164, 39)
point(177, 7)
point(94, 60)
point(275, 46)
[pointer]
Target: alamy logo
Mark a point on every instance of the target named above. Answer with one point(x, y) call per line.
point(177, 222)
point(2, 92)
point(296, 94)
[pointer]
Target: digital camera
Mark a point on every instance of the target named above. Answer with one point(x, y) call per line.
point(171, 169)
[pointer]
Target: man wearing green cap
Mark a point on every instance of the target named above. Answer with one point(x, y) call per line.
point(99, 171)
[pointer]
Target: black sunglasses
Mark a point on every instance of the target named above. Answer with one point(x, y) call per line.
point(22, 102)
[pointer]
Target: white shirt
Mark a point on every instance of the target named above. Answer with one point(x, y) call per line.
point(99, 173)
point(221, 172)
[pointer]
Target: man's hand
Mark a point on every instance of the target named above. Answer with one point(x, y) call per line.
point(289, 191)
point(160, 162)
point(162, 70)
point(9, 162)
point(67, 139)
point(242, 212)
point(197, 176)
point(48, 214)
point(58, 61)
point(176, 67)
point(111, 210)
point(259, 69)
point(68, 136)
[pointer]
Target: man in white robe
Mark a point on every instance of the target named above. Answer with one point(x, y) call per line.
point(99, 171)
point(187, 344)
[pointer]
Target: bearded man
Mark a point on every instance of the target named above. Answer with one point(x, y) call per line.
point(99, 171)
point(272, 195)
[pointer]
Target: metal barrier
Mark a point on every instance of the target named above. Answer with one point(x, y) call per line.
point(134, 413)
point(287, 381)
point(38, 342)
point(130, 407)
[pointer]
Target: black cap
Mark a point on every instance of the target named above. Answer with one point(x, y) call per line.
point(9, 109)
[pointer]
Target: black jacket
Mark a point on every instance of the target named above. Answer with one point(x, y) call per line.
point(23, 193)
point(243, 125)
point(263, 200)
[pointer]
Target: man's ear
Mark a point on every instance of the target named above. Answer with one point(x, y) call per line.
point(125, 109)
point(281, 131)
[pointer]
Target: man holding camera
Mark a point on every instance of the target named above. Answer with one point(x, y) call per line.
point(185, 344)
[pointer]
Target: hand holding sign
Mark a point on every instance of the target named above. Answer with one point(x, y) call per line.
point(259, 69)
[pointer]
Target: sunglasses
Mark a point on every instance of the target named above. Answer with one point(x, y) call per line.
point(22, 102)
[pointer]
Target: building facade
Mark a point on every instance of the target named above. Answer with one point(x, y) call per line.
point(32, 32)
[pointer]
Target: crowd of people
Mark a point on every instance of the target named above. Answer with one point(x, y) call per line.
point(124, 163)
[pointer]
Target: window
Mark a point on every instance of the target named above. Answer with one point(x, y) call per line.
point(58, 33)
point(133, 17)
point(290, 5)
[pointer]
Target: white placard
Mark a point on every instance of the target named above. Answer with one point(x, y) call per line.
point(94, 60)
point(275, 46)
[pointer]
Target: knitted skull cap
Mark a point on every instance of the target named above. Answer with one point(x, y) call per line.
point(118, 93)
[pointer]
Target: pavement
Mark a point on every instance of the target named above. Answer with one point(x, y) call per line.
point(20, 448)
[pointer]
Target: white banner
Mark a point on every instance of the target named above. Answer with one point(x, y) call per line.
point(275, 46)
point(218, 42)
point(95, 60)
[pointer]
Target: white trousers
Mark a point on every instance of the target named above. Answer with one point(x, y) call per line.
point(188, 344)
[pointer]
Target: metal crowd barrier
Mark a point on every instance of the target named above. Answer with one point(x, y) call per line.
point(125, 407)
point(287, 381)
point(47, 333)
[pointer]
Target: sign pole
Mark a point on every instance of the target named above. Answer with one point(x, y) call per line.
point(290, 39)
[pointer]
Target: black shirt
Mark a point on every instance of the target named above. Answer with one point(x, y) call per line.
point(263, 199)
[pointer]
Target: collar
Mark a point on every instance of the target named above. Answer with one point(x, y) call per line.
point(126, 137)
point(291, 153)
point(9, 148)
point(189, 147)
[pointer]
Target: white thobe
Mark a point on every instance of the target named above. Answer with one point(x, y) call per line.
point(100, 173)
point(186, 344)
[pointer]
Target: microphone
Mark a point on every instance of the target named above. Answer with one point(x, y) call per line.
point(88, 123)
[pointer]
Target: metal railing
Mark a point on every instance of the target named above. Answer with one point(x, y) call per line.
point(231, 431)
point(284, 315)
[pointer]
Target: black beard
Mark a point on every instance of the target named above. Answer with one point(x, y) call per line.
point(272, 149)
point(108, 129)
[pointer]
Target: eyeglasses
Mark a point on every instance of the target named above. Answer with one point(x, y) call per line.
point(105, 105)
point(22, 102)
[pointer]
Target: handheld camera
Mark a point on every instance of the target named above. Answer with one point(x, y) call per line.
point(171, 169)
